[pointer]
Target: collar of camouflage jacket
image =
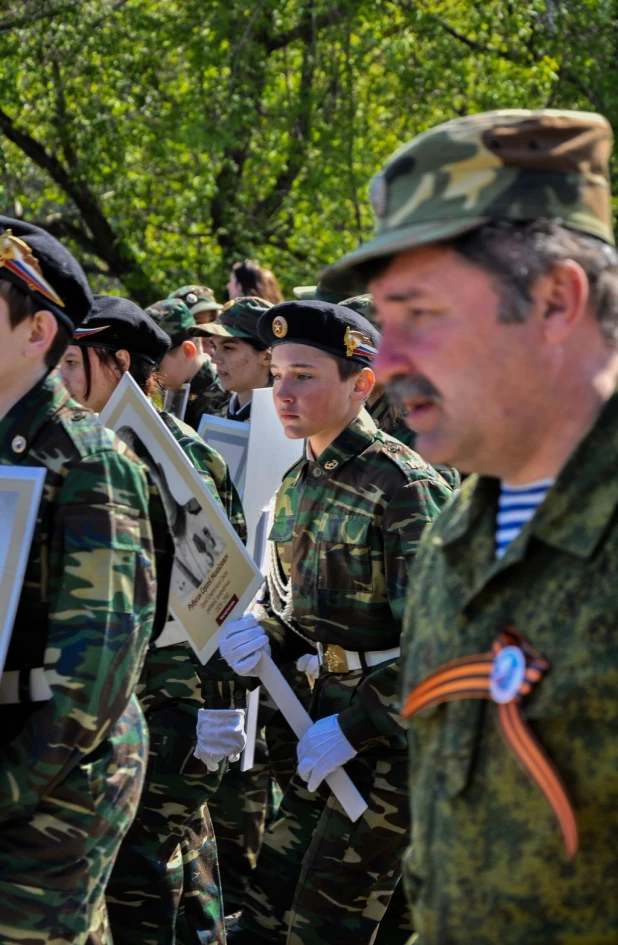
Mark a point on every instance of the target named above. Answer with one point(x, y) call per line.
point(19, 428)
point(575, 513)
point(356, 437)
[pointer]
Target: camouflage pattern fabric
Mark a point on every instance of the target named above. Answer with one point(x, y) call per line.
point(71, 768)
point(516, 165)
point(487, 861)
point(346, 528)
point(165, 885)
point(206, 395)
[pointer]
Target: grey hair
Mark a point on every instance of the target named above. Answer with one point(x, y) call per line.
point(517, 254)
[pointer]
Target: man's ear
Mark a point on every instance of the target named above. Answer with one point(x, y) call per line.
point(189, 350)
point(43, 329)
point(267, 357)
point(124, 359)
point(363, 384)
point(562, 297)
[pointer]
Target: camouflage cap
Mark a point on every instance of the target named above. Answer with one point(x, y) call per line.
point(330, 288)
point(173, 316)
point(363, 305)
point(237, 319)
point(197, 298)
point(516, 165)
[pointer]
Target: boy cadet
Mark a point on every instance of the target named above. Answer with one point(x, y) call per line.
point(496, 280)
point(186, 360)
point(201, 302)
point(347, 521)
point(73, 739)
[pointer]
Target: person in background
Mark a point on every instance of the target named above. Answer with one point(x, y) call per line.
point(73, 740)
point(165, 884)
point(187, 361)
point(200, 300)
point(248, 278)
point(239, 354)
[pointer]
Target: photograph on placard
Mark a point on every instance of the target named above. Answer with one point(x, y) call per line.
point(20, 496)
point(231, 439)
point(213, 576)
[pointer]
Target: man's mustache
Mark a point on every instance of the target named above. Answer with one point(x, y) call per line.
point(403, 388)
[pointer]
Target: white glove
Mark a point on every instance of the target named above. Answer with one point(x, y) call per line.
point(241, 643)
point(309, 663)
point(322, 749)
point(220, 734)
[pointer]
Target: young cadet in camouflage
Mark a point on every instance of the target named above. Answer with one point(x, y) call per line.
point(200, 300)
point(502, 341)
point(347, 520)
point(239, 353)
point(73, 739)
point(165, 882)
point(187, 361)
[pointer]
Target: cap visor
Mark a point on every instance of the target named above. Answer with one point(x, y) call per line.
point(305, 292)
point(400, 239)
point(205, 307)
point(211, 328)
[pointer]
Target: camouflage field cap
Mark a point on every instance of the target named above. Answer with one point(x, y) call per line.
point(516, 165)
point(330, 288)
point(173, 316)
point(363, 304)
point(237, 319)
point(197, 298)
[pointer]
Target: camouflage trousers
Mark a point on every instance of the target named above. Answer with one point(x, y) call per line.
point(248, 801)
point(165, 886)
point(55, 864)
point(321, 879)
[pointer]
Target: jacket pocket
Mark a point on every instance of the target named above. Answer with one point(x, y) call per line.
point(344, 555)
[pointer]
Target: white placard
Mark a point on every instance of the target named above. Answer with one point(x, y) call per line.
point(213, 577)
point(21, 488)
point(230, 438)
point(269, 456)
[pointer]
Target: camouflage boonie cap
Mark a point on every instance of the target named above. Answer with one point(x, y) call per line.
point(237, 319)
point(173, 316)
point(515, 165)
point(197, 298)
point(363, 305)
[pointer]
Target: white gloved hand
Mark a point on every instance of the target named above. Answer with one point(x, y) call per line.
point(309, 663)
point(322, 748)
point(241, 643)
point(220, 734)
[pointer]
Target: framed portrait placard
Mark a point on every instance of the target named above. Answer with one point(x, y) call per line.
point(231, 439)
point(213, 577)
point(21, 488)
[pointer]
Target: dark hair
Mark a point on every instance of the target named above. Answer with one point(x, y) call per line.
point(517, 254)
point(347, 368)
point(254, 280)
point(22, 306)
point(142, 371)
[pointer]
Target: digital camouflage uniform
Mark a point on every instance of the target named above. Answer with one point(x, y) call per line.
point(488, 861)
point(165, 886)
point(71, 767)
point(345, 529)
point(206, 394)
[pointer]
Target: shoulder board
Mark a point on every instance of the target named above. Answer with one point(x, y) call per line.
point(85, 431)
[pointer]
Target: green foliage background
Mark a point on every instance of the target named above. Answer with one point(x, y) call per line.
point(165, 139)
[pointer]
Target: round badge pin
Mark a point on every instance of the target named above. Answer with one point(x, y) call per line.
point(18, 444)
point(280, 327)
point(507, 674)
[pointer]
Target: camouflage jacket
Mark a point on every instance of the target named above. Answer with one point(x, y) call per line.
point(346, 528)
point(487, 862)
point(390, 420)
point(206, 395)
point(87, 605)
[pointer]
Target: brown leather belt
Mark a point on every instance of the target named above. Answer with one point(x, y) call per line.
point(505, 675)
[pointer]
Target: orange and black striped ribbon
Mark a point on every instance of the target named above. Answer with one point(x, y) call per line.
point(468, 678)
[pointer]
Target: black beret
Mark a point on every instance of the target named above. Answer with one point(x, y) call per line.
point(116, 323)
point(41, 266)
point(332, 328)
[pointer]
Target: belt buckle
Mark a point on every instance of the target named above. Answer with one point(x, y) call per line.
point(335, 659)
